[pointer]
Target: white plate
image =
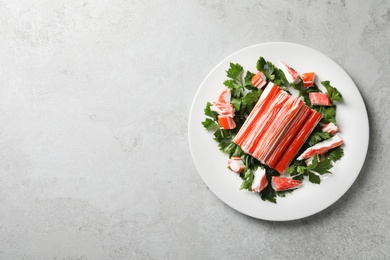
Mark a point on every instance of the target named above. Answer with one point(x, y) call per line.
point(311, 198)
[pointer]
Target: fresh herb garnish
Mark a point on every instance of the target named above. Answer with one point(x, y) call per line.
point(333, 93)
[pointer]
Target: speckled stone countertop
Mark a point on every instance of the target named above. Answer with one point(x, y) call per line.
point(94, 105)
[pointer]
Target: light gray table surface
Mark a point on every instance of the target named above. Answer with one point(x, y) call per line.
point(94, 105)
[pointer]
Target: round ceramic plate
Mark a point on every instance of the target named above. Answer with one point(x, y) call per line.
point(311, 198)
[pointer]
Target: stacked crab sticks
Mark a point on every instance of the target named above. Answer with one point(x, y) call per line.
point(279, 124)
point(277, 128)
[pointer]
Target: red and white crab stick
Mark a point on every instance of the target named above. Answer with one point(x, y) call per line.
point(274, 135)
point(290, 135)
point(261, 106)
point(236, 164)
point(319, 99)
point(308, 79)
point(291, 75)
point(260, 180)
point(330, 128)
point(259, 80)
point(298, 142)
point(322, 147)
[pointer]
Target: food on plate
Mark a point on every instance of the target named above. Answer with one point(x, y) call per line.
point(308, 79)
point(330, 128)
point(284, 183)
point(226, 122)
point(260, 180)
point(223, 108)
point(291, 75)
point(277, 126)
point(236, 164)
point(298, 142)
point(266, 133)
point(259, 80)
point(225, 96)
point(319, 99)
point(322, 147)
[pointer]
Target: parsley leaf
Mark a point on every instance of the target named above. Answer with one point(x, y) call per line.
point(320, 167)
point(314, 178)
point(280, 79)
point(232, 149)
point(236, 102)
point(329, 114)
point(299, 87)
point(209, 112)
point(333, 93)
point(250, 161)
point(223, 138)
point(251, 98)
point(234, 87)
point(318, 136)
point(335, 154)
point(248, 81)
point(272, 73)
point(248, 177)
point(209, 123)
point(269, 193)
point(235, 71)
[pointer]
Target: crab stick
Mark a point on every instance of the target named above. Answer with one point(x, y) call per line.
point(284, 183)
point(260, 180)
point(292, 131)
point(258, 131)
point(298, 142)
point(274, 134)
point(319, 99)
point(225, 96)
point(330, 128)
point(291, 75)
point(259, 80)
point(322, 147)
point(223, 108)
point(270, 91)
point(308, 79)
point(236, 164)
point(226, 122)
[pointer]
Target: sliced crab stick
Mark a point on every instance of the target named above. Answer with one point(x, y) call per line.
point(255, 136)
point(298, 142)
point(291, 75)
point(270, 91)
point(260, 180)
point(308, 79)
point(259, 80)
point(226, 122)
point(319, 99)
point(283, 183)
point(236, 164)
point(223, 108)
point(291, 132)
point(274, 134)
point(330, 128)
point(322, 147)
point(225, 96)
